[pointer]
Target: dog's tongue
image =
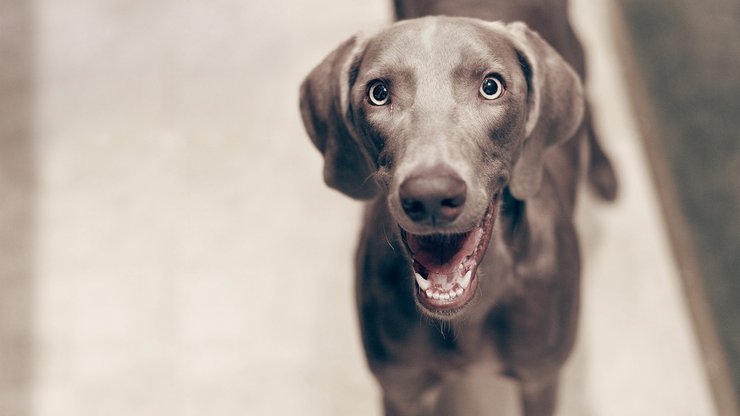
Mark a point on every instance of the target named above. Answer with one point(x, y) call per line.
point(441, 254)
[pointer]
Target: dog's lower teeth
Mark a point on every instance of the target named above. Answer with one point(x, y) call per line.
point(436, 294)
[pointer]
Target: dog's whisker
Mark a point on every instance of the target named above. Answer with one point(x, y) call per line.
point(387, 240)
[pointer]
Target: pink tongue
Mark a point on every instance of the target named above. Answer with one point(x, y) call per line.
point(440, 254)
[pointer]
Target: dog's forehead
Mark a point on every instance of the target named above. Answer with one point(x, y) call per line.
point(442, 43)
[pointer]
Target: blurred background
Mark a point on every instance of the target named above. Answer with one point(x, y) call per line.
point(167, 246)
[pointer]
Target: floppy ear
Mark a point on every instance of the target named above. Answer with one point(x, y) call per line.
point(324, 108)
point(555, 106)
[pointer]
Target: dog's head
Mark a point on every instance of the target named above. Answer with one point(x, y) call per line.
point(440, 116)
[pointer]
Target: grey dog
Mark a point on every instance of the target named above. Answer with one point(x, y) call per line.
point(466, 136)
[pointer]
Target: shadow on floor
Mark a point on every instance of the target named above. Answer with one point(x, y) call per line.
point(17, 183)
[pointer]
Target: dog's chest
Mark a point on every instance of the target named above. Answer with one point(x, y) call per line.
point(459, 346)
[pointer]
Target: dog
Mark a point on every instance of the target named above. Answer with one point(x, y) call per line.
point(466, 137)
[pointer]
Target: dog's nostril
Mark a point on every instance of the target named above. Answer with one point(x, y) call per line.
point(413, 208)
point(452, 202)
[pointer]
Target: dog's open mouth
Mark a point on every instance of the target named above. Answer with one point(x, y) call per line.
point(445, 265)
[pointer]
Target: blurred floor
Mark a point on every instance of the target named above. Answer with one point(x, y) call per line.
point(188, 260)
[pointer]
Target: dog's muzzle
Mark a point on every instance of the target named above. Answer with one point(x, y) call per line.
point(445, 265)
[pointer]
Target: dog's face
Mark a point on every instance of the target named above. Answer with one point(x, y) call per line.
point(438, 116)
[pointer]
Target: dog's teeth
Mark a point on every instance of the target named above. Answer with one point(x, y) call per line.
point(423, 283)
point(436, 295)
point(452, 294)
point(429, 293)
point(466, 280)
point(459, 291)
point(444, 296)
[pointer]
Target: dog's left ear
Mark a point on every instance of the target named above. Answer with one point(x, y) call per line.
point(555, 106)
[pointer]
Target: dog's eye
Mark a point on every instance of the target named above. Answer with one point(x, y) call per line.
point(491, 88)
point(378, 93)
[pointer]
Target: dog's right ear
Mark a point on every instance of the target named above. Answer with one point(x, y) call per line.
point(324, 108)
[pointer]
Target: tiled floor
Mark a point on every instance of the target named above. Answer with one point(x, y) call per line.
point(187, 259)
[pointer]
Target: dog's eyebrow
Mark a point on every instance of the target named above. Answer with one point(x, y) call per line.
point(390, 71)
point(479, 66)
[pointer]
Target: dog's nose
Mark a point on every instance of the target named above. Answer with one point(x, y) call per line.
point(434, 195)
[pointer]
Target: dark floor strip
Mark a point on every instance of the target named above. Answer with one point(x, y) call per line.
point(682, 61)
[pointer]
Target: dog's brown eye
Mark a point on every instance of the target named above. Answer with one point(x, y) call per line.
point(378, 93)
point(491, 88)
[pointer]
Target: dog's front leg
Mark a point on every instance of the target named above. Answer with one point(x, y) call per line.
point(534, 336)
point(539, 398)
point(409, 392)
